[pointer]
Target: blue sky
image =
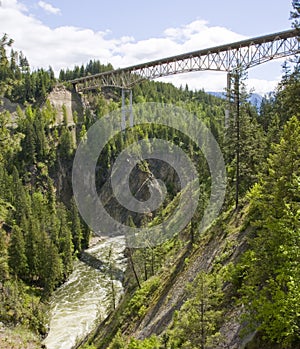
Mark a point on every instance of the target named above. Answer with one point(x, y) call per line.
point(142, 20)
point(62, 33)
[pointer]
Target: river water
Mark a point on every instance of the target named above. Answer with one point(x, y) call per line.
point(83, 299)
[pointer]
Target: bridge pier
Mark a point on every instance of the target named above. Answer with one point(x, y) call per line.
point(126, 110)
point(228, 97)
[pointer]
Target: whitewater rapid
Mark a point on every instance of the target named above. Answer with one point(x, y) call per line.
point(83, 299)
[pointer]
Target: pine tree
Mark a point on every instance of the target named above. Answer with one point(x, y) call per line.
point(196, 324)
point(295, 14)
point(28, 143)
point(19, 197)
point(9, 141)
point(4, 269)
point(17, 253)
point(66, 144)
point(66, 247)
point(270, 290)
point(30, 226)
point(75, 227)
point(40, 137)
point(49, 264)
point(112, 293)
point(244, 141)
point(4, 63)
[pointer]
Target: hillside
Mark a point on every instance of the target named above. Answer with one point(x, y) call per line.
point(213, 252)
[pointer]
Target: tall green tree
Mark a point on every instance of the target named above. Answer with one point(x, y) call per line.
point(5, 42)
point(75, 227)
point(295, 14)
point(244, 140)
point(270, 290)
point(112, 288)
point(49, 264)
point(196, 324)
point(4, 268)
point(9, 140)
point(31, 229)
point(66, 247)
point(17, 253)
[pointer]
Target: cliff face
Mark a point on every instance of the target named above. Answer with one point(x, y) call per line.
point(142, 182)
point(7, 105)
point(62, 99)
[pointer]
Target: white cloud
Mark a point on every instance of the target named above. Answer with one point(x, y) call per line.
point(197, 35)
point(49, 8)
point(262, 86)
point(66, 46)
point(15, 4)
point(186, 31)
point(217, 82)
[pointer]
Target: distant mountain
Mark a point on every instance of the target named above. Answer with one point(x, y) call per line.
point(255, 99)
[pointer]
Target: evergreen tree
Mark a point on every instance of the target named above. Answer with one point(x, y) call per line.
point(4, 269)
point(17, 253)
point(4, 63)
point(270, 288)
point(75, 227)
point(19, 198)
point(288, 96)
point(49, 264)
point(295, 14)
point(196, 324)
point(28, 143)
point(66, 144)
point(9, 141)
point(66, 247)
point(244, 141)
point(112, 291)
point(30, 227)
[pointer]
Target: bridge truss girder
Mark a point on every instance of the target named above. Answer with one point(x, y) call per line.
point(243, 54)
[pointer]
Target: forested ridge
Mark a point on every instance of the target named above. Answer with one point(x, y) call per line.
point(244, 271)
point(41, 232)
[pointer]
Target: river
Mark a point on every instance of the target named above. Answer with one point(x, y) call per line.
point(78, 303)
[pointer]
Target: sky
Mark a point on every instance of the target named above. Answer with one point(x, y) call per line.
point(61, 33)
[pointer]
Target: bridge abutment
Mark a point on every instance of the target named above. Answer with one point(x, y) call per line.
point(126, 113)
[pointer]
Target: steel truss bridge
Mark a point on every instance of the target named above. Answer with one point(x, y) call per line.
point(227, 58)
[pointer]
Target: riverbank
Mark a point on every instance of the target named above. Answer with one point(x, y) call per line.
point(18, 338)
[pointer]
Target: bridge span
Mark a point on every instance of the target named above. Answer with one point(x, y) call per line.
point(242, 54)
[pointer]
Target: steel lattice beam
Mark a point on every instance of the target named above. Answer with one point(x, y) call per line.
point(244, 54)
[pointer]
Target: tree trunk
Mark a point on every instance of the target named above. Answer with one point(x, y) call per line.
point(133, 268)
